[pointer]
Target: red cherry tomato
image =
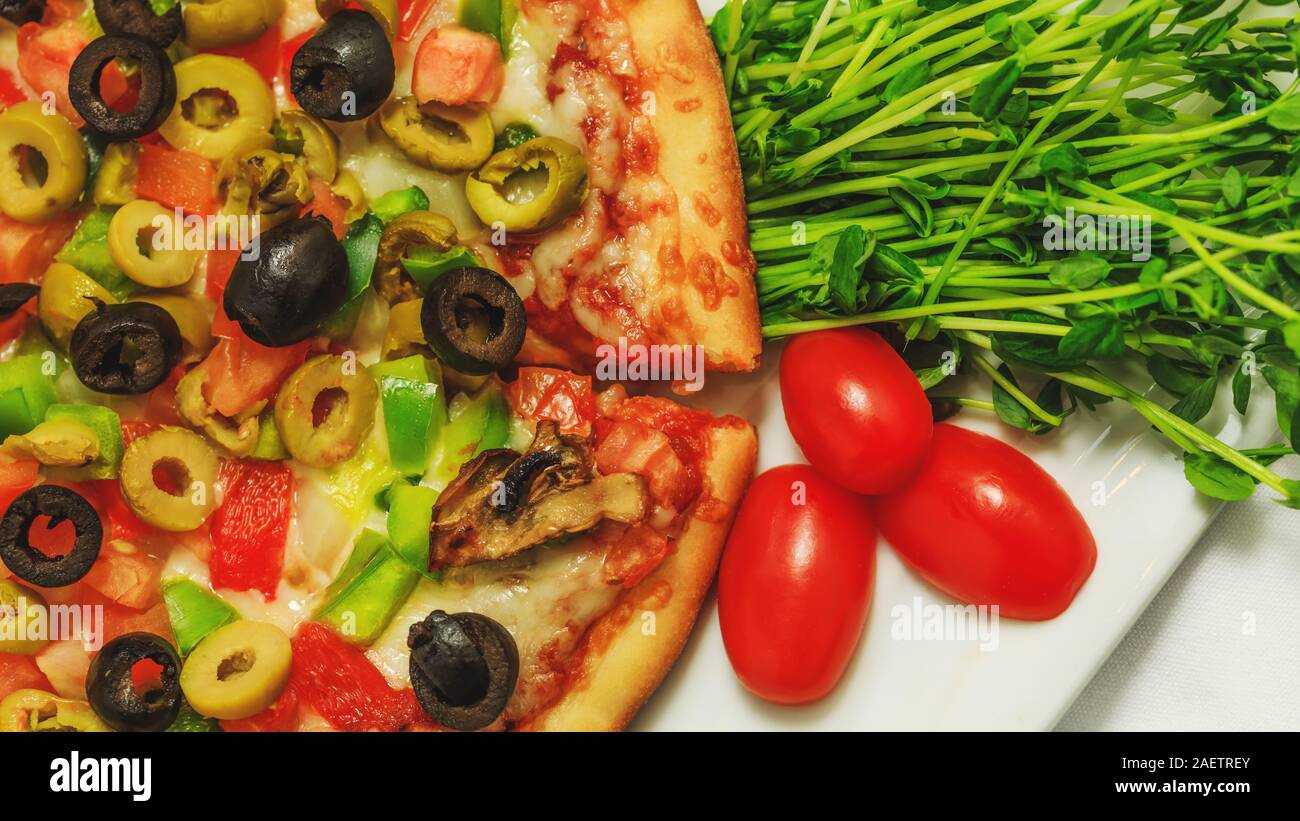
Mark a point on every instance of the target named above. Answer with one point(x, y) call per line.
point(795, 584)
point(855, 408)
point(987, 525)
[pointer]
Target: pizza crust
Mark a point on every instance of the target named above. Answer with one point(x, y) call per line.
point(622, 663)
point(698, 159)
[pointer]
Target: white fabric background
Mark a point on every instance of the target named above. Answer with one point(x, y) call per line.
point(1219, 647)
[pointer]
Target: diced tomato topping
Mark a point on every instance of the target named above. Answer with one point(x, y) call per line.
point(280, 717)
point(10, 92)
point(130, 579)
point(635, 447)
point(687, 429)
point(65, 664)
point(329, 205)
point(122, 523)
point(120, 620)
point(262, 54)
point(45, 55)
point(639, 551)
point(27, 250)
point(249, 529)
point(341, 684)
point(413, 13)
point(560, 396)
point(16, 477)
point(221, 263)
point(176, 179)
point(20, 673)
point(455, 66)
point(242, 372)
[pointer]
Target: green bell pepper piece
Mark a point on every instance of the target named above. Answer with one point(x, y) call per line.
point(364, 605)
point(392, 205)
point(361, 244)
point(495, 18)
point(87, 251)
point(363, 550)
point(108, 429)
point(414, 409)
point(194, 611)
point(269, 447)
point(26, 393)
point(425, 264)
point(189, 721)
point(513, 136)
point(410, 511)
point(482, 425)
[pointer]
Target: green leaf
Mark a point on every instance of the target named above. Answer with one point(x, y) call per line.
point(993, 91)
point(1009, 409)
point(1064, 160)
point(1079, 272)
point(1233, 186)
point(997, 26)
point(1242, 382)
point(1216, 478)
point(1286, 392)
point(1173, 376)
point(1196, 403)
point(852, 248)
point(906, 81)
point(1097, 337)
point(1284, 115)
point(1291, 336)
point(1149, 112)
point(1137, 172)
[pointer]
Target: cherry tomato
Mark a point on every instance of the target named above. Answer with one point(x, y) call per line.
point(987, 525)
point(795, 584)
point(855, 408)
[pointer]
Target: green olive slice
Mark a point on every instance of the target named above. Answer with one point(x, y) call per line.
point(22, 605)
point(185, 463)
point(135, 246)
point(530, 187)
point(115, 180)
point(28, 135)
point(445, 138)
point(36, 711)
point(325, 409)
point(67, 295)
point(265, 182)
point(193, 317)
point(410, 230)
point(219, 23)
point(238, 436)
point(320, 148)
point(238, 670)
point(474, 320)
point(222, 105)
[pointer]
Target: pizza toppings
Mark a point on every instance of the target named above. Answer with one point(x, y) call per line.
point(298, 279)
point(403, 234)
point(531, 187)
point(19, 12)
point(155, 97)
point(125, 349)
point(55, 505)
point(455, 66)
point(474, 320)
point(33, 711)
point(325, 409)
point(445, 138)
point(25, 126)
point(221, 23)
point(115, 692)
point(504, 503)
point(463, 668)
point(238, 670)
point(345, 71)
point(137, 17)
point(167, 478)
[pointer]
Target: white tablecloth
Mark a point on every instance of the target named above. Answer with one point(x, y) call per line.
point(1219, 647)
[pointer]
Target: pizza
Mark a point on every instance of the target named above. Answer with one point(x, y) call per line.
point(304, 306)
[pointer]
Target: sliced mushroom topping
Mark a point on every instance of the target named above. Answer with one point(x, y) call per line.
point(503, 503)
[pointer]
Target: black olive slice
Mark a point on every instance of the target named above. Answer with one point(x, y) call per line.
point(474, 320)
point(464, 667)
point(297, 280)
point(157, 86)
point(137, 17)
point(112, 693)
point(345, 70)
point(125, 349)
point(13, 295)
point(60, 504)
point(22, 11)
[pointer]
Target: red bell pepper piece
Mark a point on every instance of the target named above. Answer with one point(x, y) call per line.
point(341, 684)
point(249, 529)
point(262, 54)
point(280, 717)
point(177, 179)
